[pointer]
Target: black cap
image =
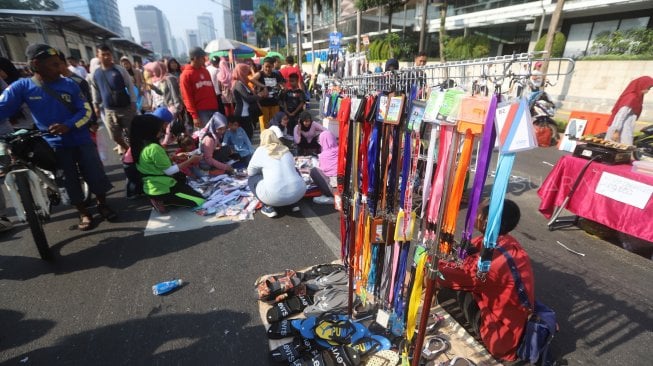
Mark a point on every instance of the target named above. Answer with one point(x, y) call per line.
point(196, 52)
point(40, 51)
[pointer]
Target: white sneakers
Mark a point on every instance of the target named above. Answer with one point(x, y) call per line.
point(269, 211)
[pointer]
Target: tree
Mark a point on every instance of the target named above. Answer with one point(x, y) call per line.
point(315, 7)
point(391, 7)
point(284, 5)
point(267, 22)
point(29, 4)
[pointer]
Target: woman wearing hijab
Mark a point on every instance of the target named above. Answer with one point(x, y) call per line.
point(627, 109)
point(273, 177)
point(247, 109)
point(324, 176)
point(165, 93)
point(210, 141)
point(225, 78)
point(156, 168)
point(306, 134)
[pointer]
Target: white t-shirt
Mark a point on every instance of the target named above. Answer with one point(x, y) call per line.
point(281, 185)
point(213, 71)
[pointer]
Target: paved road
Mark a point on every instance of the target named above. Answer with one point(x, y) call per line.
point(94, 306)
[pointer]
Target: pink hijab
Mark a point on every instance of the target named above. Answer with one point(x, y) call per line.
point(224, 74)
point(241, 72)
point(157, 69)
point(329, 156)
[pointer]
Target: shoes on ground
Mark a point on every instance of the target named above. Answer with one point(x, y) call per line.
point(323, 200)
point(5, 224)
point(269, 211)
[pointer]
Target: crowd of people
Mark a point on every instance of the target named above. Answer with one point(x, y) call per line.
point(209, 108)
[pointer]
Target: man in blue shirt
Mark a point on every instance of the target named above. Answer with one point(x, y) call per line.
point(60, 110)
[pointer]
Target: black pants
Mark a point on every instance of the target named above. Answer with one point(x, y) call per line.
point(176, 198)
point(321, 181)
point(247, 125)
point(134, 185)
point(306, 148)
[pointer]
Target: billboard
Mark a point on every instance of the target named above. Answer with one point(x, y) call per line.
point(247, 26)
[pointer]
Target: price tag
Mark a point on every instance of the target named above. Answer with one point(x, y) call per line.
point(383, 317)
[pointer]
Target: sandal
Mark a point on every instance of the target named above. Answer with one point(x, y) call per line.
point(334, 356)
point(434, 346)
point(323, 269)
point(291, 351)
point(272, 287)
point(284, 329)
point(332, 329)
point(85, 222)
point(107, 213)
point(291, 306)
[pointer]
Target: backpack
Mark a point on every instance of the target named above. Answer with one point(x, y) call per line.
point(540, 327)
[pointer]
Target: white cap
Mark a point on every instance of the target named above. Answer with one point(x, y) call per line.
point(277, 131)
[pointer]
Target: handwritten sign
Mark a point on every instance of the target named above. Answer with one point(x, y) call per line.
point(624, 190)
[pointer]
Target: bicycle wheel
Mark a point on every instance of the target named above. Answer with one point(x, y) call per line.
point(32, 217)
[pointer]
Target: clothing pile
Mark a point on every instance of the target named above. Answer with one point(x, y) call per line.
point(225, 196)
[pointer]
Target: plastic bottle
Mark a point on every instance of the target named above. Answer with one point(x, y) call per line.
point(165, 287)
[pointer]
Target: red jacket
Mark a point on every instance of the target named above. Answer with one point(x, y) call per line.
point(502, 316)
point(289, 70)
point(197, 90)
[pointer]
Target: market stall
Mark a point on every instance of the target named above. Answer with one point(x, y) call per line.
point(407, 141)
point(613, 195)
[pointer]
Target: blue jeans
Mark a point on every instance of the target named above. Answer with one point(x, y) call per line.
point(82, 161)
point(205, 116)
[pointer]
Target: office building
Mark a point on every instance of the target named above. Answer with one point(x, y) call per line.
point(229, 31)
point(153, 29)
point(205, 28)
point(102, 12)
point(193, 38)
point(127, 33)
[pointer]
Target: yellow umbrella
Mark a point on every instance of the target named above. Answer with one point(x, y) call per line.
point(257, 51)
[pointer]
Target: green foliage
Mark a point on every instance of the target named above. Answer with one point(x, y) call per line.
point(268, 23)
point(393, 45)
point(351, 47)
point(616, 57)
point(630, 42)
point(466, 48)
point(29, 4)
point(559, 41)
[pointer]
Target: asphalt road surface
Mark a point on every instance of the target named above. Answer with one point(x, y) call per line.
point(94, 305)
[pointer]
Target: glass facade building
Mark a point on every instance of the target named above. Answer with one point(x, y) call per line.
point(103, 12)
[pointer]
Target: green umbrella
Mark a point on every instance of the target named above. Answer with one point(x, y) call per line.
point(236, 55)
point(275, 54)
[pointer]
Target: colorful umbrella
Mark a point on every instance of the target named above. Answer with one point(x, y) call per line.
point(275, 54)
point(245, 46)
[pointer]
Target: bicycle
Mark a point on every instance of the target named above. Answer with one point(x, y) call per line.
point(29, 166)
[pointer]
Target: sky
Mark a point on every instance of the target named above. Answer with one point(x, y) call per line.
point(181, 15)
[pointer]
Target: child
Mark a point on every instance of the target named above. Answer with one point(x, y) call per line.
point(186, 146)
point(292, 100)
point(236, 138)
point(282, 121)
point(306, 134)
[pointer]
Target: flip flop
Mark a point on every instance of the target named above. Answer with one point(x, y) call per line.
point(333, 329)
point(286, 308)
point(294, 350)
point(334, 356)
point(371, 344)
point(284, 329)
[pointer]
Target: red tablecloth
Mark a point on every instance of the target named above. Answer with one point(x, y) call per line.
point(588, 204)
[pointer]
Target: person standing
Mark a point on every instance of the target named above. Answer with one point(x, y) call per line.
point(75, 67)
point(273, 82)
point(293, 100)
point(246, 100)
point(291, 68)
point(60, 109)
point(136, 75)
point(214, 69)
point(627, 109)
point(113, 91)
point(197, 89)
point(225, 78)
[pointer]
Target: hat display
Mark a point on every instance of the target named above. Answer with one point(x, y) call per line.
point(196, 52)
point(40, 51)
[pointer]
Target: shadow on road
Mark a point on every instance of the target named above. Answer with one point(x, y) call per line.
point(214, 338)
point(22, 330)
point(111, 251)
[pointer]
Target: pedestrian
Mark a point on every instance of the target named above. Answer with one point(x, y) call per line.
point(225, 78)
point(197, 89)
point(173, 67)
point(247, 109)
point(306, 134)
point(627, 109)
point(293, 100)
point(502, 316)
point(60, 109)
point(75, 67)
point(536, 77)
point(113, 91)
point(164, 90)
point(136, 75)
point(291, 68)
point(86, 92)
point(163, 182)
point(214, 69)
point(273, 178)
point(273, 82)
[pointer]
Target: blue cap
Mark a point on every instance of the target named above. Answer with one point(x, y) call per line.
point(164, 114)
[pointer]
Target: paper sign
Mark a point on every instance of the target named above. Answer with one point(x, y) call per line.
point(383, 108)
point(433, 105)
point(628, 191)
point(448, 111)
point(514, 128)
point(395, 109)
point(575, 128)
point(416, 116)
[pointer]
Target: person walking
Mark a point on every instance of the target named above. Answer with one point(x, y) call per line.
point(197, 89)
point(113, 91)
point(61, 111)
point(627, 109)
point(214, 69)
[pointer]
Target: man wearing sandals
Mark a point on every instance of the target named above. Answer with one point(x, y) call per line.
point(60, 110)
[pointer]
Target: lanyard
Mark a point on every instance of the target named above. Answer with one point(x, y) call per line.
point(426, 190)
point(372, 164)
point(415, 295)
point(446, 138)
point(482, 166)
point(398, 301)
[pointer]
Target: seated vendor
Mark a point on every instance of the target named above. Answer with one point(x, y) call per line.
point(214, 155)
point(236, 139)
point(324, 176)
point(502, 317)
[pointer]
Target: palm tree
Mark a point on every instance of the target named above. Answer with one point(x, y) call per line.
point(391, 5)
point(313, 7)
point(284, 6)
point(268, 23)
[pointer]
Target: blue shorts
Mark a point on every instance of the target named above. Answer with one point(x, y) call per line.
point(82, 161)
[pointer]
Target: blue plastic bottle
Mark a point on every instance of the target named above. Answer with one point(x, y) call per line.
point(165, 287)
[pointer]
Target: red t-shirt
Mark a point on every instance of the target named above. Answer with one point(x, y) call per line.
point(502, 316)
point(197, 90)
